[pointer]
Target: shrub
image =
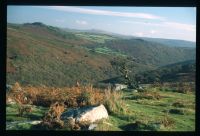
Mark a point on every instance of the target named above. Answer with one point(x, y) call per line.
point(51, 119)
point(54, 112)
point(18, 95)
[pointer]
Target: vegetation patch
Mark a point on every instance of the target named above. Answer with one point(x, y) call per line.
point(177, 111)
point(167, 121)
point(141, 114)
point(142, 126)
point(95, 37)
point(178, 104)
point(114, 103)
point(145, 95)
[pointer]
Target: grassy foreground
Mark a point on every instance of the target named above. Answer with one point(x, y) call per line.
point(153, 110)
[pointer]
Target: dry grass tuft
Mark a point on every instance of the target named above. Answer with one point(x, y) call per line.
point(114, 103)
point(179, 104)
point(167, 121)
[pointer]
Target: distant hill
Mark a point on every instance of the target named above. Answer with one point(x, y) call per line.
point(99, 32)
point(166, 42)
point(178, 72)
point(173, 43)
point(41, 54)
point(151, 53)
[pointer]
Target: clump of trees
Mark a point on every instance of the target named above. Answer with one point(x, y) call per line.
point(125, 68)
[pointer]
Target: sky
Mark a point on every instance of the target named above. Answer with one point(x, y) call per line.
point(154, 22)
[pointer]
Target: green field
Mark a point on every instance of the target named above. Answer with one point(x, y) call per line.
point(95, 38)
point(105, 50)
point(153, 114)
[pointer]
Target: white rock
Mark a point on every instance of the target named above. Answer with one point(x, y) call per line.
point(135, 91)
point(86, 114)
point(35, 122)
point(92, 126)
point(93, 114)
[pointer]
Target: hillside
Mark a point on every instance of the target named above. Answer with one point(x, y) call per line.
point(151, 53)
point(40, 54)
point(178, 72)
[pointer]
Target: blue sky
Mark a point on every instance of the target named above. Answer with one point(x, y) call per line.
point(156, 22)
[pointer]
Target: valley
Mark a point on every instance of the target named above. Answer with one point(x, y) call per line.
point(73, 69)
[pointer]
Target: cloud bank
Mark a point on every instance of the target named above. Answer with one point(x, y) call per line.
point(104, 12)
point(171, 25)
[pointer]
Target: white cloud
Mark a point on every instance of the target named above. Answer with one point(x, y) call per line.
point(153, 31)
point(142, 23)
point(81, 22)
point(140, 34)
point(104, 12)
point(182, 26)
point(170, 25)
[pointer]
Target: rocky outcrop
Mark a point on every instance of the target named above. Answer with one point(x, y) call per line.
point(92, 126)
point(92, 114)
point(87, 114)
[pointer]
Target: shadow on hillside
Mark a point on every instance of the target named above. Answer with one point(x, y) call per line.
point(138, 126)
point(129, 127)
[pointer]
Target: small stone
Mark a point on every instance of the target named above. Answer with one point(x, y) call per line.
point(92, 126)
